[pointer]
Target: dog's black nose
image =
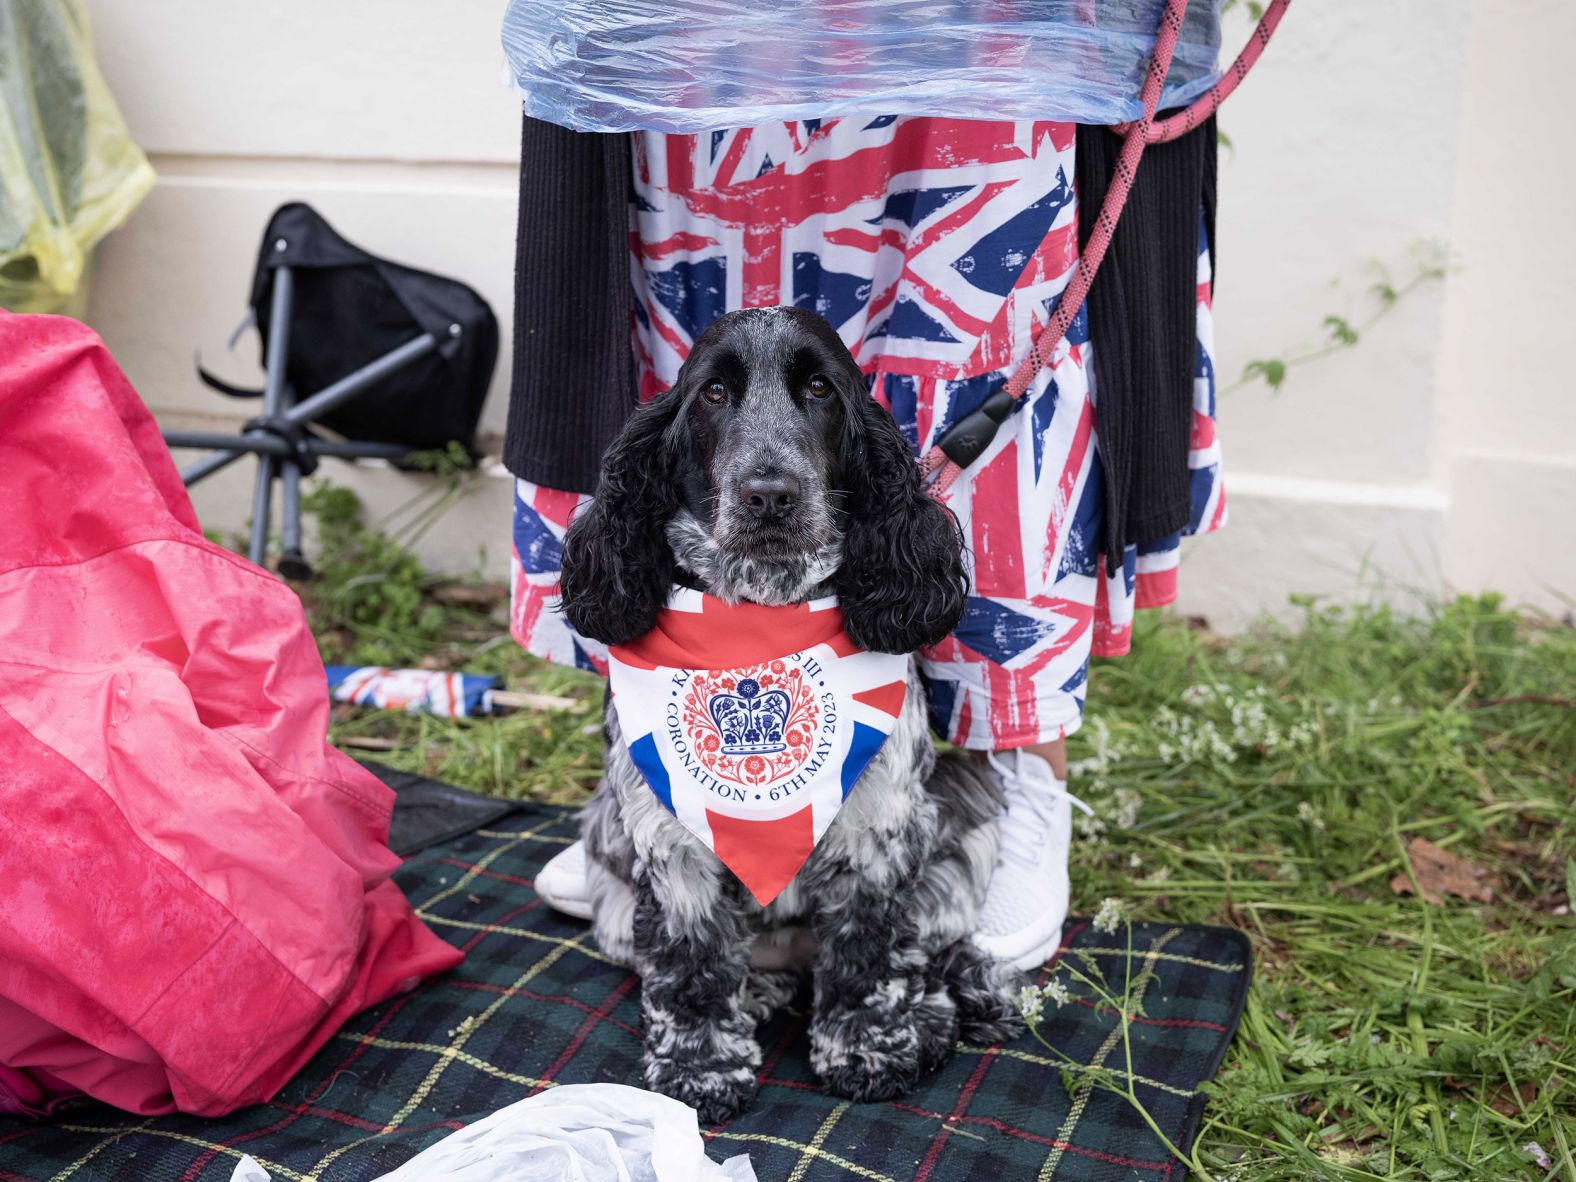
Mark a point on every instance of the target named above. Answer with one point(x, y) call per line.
point(769, 496)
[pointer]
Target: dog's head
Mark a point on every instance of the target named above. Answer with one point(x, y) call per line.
point(768, 472)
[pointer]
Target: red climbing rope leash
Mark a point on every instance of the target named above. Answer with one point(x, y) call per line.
point(964, 442)
point(1206, 104)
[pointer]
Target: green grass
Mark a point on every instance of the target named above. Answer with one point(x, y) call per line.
point(1270, 782)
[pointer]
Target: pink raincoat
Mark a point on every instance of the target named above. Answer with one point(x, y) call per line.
point(194, 887)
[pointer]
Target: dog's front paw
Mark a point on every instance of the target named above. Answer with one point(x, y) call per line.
point(868, 1053)
point(983, 992)
point(717, 1095)
point(992, 1021)
point(936, 1019)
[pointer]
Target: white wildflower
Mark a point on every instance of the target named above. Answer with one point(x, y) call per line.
point(1127, 805)
point(1183, 736)
point(1158, 875)
point(1105, 752)
point(1032, 998)
point(1212, 742)
point(1309, 815)
point(1134, 862)
point(1030, 1002)
point(1090, 829)
point(1251, 726)
point(1538, 1154)
point(1109, 917)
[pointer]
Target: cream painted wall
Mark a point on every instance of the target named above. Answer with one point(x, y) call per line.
point(1441, 451)
point(1507, 447)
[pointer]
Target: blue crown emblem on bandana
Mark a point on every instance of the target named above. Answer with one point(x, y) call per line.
point(751, 722)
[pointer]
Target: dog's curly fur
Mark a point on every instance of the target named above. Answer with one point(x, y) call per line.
point(886, 903)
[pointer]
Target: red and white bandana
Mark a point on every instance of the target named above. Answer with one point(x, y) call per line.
point(752, 724)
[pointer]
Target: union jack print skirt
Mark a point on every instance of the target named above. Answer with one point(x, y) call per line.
point(936, 248)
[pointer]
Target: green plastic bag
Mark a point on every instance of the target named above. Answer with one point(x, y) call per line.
point(69, 171)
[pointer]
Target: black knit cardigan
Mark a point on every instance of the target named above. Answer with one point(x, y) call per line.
point(574, 380)
point(1143, 326)
point(574, 359)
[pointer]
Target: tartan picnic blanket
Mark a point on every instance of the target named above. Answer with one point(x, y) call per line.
point(536, 1004)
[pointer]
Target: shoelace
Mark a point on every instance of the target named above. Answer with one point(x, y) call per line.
point(1023, 839)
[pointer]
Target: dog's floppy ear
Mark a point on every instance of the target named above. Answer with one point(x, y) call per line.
point(901, 584)
point(617, 568)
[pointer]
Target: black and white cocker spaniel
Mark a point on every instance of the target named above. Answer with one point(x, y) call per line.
point(769, 475)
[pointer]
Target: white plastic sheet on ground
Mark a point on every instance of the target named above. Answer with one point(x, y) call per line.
point(698, 65)
point(573, 1133)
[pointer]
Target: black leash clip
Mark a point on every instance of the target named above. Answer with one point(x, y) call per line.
point(966, 440)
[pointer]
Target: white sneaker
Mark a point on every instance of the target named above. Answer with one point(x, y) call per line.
point(1021, 919)
point(562, 882)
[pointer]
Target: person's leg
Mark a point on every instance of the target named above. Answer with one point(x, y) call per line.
point(541, 515)
point(1034, 772)
point(1010, 682)
point(1054, 753)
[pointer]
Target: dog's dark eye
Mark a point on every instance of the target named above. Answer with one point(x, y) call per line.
point(818, 387)
point(715, 392)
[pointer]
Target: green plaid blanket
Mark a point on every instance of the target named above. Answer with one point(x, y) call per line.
point(536, 1004)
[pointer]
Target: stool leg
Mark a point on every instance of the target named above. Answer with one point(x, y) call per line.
point(292, 562)
point(262, 508)
point(268, 467)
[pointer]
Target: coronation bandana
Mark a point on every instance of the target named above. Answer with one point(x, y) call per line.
point(753, 724)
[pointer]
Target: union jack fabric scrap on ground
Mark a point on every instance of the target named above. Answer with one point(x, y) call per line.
point(536, 1004)
point(414, 691)
point(753, 724)
point(937, 248)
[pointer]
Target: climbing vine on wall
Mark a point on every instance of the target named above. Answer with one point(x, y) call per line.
point(1430, 262)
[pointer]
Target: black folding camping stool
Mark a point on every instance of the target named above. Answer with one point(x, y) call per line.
point(399, 360)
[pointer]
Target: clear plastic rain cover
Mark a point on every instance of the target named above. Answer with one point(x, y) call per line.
point(695, 65)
